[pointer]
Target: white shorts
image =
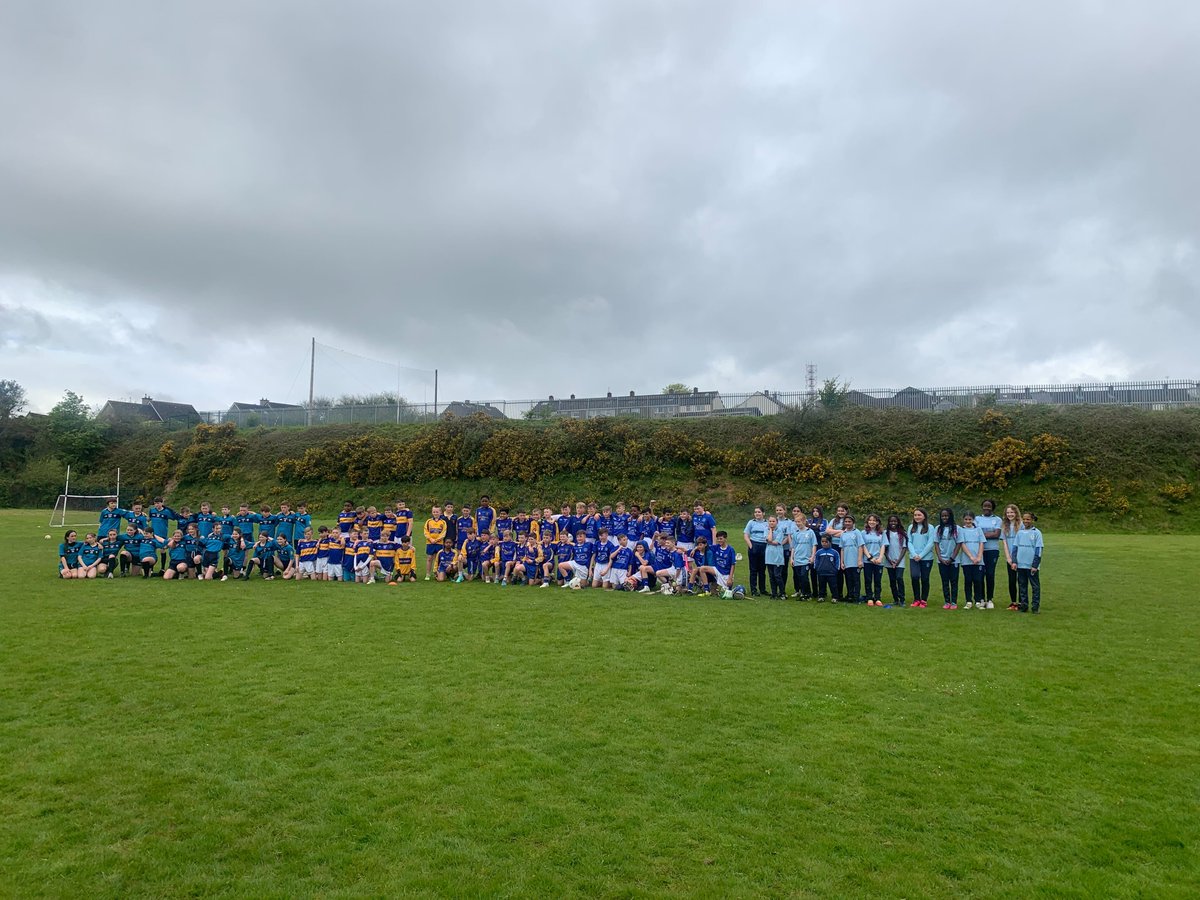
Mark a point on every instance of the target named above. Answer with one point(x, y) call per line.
point(322, 566)
point(668, 573)
point(333, 570)
point(579, 571)
point(616, 577)
point(308, 566)
point(721, 580)
point(362, 566)
point(685, 546)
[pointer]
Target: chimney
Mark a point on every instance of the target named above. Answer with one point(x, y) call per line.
point(551, 396)
point(609, 395)
point(695, 390)
point(632, 394)
point(146, 400)
point(263, 401)
point(572, 396)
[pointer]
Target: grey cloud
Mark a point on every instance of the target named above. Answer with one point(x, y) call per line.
point(872, 186)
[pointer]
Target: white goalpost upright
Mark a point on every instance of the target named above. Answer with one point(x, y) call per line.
point(77, 506)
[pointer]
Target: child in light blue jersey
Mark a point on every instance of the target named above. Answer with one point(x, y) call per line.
point(852, 546)
point(1028, 551)
point(969, 560)
point(1009, 529)
point(946, 547)
point(895, 550)
point(774, 557)
point(991, 524)
point(803, 543)
point(874, 547)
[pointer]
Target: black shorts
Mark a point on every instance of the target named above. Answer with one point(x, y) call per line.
point(209, 559)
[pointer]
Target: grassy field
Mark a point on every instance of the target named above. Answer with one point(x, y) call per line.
point(274, 739)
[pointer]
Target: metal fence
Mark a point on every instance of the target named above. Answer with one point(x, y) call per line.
point(702, 404)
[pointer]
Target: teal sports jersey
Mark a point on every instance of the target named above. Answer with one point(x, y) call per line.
point(236, 554)
point(160, 520)
point(89, 554)
point(214, 544)
point(245, 523)
point(111, 519)
point(69, 552)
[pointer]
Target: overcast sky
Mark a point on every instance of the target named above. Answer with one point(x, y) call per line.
point(578, 197)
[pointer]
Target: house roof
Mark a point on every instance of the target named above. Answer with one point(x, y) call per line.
point(149, 410)
point(464, 408)
point(630, 401)
point(262, 405)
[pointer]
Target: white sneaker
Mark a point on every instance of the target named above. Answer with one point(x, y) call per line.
point(968, 606)
point(371, 580)
point(645, 589)
point(224, 577)
point(543, 584)
point(991, 605)
point(426, 577)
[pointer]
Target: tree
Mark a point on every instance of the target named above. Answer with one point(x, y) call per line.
point(386, 398)
point(677, 387)
point(12, 398)
point(77, 438)
point(832, 394)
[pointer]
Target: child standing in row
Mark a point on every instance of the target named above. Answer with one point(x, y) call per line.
point(947, 547)
point(970, 560)
point(1028, 551)
point(873, 554)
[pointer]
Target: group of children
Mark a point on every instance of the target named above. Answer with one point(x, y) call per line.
point(838, 559)
point(585, 545)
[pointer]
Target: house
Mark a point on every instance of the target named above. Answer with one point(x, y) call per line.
point(463, 408)
point(651, 406)
point(262, 405)
point(761, 403)
point(150, 410)
point(912, 398)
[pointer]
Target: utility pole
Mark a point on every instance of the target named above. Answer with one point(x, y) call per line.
point(312, 372)
point(810, 381)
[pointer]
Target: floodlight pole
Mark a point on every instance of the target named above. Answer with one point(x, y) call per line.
point(312, 371)
point(66, 494)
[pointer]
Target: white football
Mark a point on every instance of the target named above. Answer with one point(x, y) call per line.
point(47, 537)
point(739, 557)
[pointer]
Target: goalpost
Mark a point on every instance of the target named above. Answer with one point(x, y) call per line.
point(78, 505)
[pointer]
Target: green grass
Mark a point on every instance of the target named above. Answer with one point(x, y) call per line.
point(280, 739)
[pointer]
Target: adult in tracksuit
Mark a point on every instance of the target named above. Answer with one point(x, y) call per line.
point(755, 535)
